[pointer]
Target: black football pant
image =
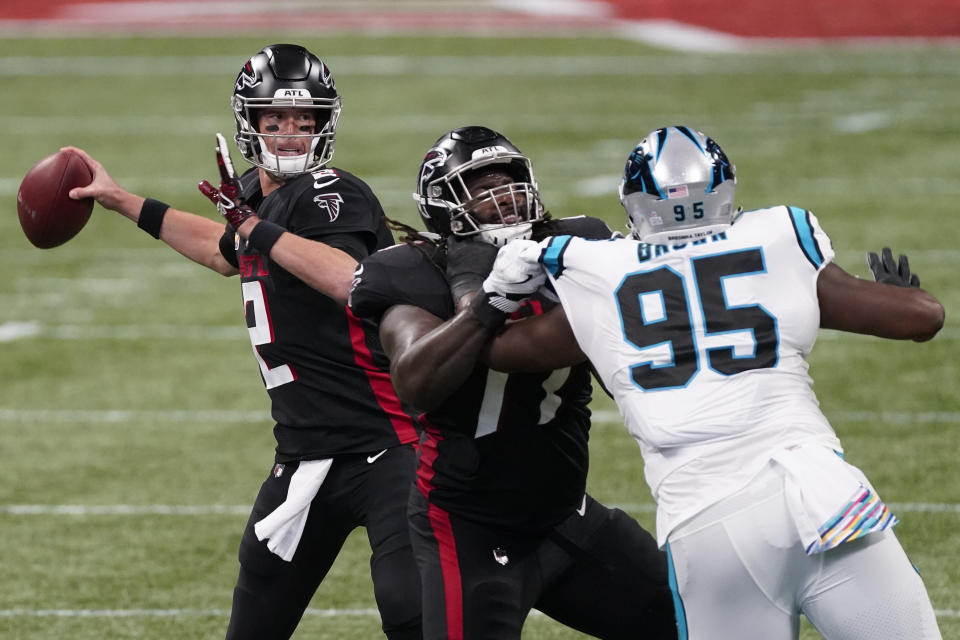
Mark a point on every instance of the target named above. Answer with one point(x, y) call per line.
point(599, 573)
point(272, 594)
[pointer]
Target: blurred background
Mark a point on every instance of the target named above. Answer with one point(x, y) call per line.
point(134, 429)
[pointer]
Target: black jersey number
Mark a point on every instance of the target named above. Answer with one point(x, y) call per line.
point(674, 327)
point(261, 332)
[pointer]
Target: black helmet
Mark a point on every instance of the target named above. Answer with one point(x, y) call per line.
point(285, 75)
point(446, 203)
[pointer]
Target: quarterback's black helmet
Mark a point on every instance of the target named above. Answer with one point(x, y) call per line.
point(446, 202)
point(285, 75)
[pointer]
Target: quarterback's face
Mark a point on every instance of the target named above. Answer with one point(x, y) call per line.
point(281, 122)
point(504, 206)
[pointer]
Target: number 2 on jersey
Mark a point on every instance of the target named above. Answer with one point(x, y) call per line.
point(675, 327)
point(261, 332)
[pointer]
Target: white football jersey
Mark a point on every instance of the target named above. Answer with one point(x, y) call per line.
point(703, 347)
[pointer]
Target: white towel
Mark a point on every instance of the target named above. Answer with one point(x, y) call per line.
point(284, 525)
point(830, 500)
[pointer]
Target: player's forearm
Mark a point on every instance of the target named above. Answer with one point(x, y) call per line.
point(197, 238)
point(322, 267)
point(896, 313)
point(850, 304)
point(430, 370)
point(539, 343)
point(191, 235)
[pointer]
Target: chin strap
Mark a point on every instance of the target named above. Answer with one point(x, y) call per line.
point(500, 235)
point(289, 166)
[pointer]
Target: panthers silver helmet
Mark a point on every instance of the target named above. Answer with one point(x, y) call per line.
point(678, 186)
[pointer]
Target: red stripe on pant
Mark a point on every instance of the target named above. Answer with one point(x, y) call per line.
point(443, 534)
point(450, 567)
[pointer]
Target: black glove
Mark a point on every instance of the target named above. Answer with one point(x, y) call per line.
point(227, 199)
point(885, 271)
point(468, 264)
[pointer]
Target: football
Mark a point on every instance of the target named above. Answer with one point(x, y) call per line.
point(47, 214)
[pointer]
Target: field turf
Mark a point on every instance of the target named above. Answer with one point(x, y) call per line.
point(134, 429)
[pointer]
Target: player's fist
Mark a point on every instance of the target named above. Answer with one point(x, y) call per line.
point(515, 276)
point(468, 263)
point(886, 271)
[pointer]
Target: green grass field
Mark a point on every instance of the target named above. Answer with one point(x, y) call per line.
point(134, 429)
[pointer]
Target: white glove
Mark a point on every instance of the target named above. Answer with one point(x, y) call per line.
point(514, 277)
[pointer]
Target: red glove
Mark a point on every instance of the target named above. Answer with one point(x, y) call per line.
point(227, 199)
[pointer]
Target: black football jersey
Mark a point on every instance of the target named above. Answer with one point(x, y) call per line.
point(323, 368)
point(504, 449)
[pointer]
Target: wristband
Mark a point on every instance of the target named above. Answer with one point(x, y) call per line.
point(484, 312)
point(264, 235)
point(151, 216)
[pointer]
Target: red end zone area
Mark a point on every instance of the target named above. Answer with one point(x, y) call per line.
point(781, 19)
point(804, 18)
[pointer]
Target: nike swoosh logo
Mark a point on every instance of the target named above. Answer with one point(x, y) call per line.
point(583, 507)
point(320, 185)
point(372, 459)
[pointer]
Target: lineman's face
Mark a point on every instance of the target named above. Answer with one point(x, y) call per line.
point(282, 122)
point(505, 207)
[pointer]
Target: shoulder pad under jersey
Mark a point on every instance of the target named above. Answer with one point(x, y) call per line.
point(401, 274)
point(580, 226)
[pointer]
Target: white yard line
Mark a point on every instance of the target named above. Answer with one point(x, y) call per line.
point(606, 416)
point(600, 417)
point(194, 613)
point(647, 65)
point(128, 416)
point(14, 331)
point(244, 510)
point(163, 613)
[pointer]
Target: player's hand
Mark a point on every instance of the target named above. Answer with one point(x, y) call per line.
point(885, 271)
point(516, 275)
point(227, 199)
point(468, 263)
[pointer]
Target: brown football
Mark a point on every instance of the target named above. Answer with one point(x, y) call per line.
point(47, 214)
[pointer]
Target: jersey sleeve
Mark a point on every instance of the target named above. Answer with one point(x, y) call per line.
point(580, 226)
point(338, 209)
point(403, 274)
point(353, 244)
point(552, 251)
point(812, 239)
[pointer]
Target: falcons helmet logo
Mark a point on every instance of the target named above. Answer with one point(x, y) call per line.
point(329, 202)
point(247, 77)
point(431, 162)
